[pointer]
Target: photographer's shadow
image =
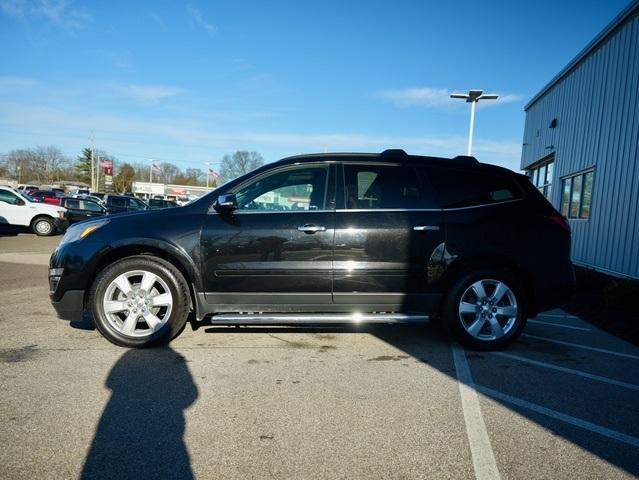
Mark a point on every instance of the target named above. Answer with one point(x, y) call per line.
point(140, 434)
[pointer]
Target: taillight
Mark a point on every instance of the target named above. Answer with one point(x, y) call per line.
point(560, 220)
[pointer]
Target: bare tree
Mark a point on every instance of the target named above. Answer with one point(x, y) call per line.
point(40, 165)
point(239, 163)
point(169, 171)
point(123, 180)
point(51, 162)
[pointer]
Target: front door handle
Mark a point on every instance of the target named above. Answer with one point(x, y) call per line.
point(311, 228)
point(426, 228)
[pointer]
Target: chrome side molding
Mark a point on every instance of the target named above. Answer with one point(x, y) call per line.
point(297, 318)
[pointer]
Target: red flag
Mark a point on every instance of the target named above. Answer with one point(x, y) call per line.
point(214, 174)
point(156, 168)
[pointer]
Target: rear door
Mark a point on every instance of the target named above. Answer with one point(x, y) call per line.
point(389, 236)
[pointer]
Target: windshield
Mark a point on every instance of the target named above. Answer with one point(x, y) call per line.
point(23, 195)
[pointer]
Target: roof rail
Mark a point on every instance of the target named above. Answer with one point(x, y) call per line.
point(465, 159)
point(394, 152)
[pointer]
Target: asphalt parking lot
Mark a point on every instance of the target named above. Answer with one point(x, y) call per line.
point(359, 402)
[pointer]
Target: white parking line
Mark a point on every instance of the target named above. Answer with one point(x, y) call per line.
point(559, 325)
point(585, 347)
point(569, 370)
point(481, 451)
point(593, 427)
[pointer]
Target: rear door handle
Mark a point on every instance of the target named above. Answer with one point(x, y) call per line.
point(311, 228)
point(426, 228)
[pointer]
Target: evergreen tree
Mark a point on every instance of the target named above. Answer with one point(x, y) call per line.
point(83, 166)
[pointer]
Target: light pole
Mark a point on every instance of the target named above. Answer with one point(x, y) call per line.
point(472, 97)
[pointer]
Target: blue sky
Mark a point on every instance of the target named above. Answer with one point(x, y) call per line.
point(189, 82)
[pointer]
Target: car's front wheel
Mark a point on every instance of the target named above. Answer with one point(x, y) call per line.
point(43, 226)
point(140, 301)
point(485, 309)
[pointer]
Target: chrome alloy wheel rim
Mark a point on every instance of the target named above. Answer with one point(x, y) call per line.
point(488, 309)
point(43, 226)
point(137, 303)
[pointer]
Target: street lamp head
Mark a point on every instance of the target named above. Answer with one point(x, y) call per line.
point(474, 95)
point(488, 96)
point(459, 95)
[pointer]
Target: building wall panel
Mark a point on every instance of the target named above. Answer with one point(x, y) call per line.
point(596, 106)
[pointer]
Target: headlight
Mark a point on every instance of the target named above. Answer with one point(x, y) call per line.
point(78, 232)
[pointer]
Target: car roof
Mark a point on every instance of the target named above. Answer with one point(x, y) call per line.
point(396, 156)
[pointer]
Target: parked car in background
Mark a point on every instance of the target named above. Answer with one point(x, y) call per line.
point(156, 203)
point(100, 195)
point(123, 203)
point(79, 209)
point(28, 188)
point(87, 197)
point(83, 191)
point(18, 208)
point(386, 238)
point(47, 196)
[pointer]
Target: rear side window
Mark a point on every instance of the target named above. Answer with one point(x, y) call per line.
point(117, 202)
point(383, 186)
point(463, 188)
point(72, 203)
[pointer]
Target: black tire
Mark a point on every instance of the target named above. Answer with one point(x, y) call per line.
point(43, 226)
point(451, 316)
point(177, 286)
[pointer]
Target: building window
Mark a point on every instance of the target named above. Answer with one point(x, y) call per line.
point(576, 195)
point(541, 177)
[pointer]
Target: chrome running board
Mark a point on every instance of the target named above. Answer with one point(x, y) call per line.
point(318, 318)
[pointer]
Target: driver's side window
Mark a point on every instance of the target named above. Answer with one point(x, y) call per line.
point(8, 197)
point(293, 189)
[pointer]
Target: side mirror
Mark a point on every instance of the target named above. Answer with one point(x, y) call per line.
point(20, 202)
point(226, 203)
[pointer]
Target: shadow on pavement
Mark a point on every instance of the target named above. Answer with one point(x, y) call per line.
point(518, 385)
point(9, 230)
point(140, 433)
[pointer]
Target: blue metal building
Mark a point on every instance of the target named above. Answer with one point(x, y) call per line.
point(581, 147)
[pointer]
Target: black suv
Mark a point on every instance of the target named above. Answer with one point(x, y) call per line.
point(160, 203)
point(123, 203)
point(328, 238)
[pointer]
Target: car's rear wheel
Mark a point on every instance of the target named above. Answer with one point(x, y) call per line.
point(140, 301)
point(485, 309)
point(43, 226)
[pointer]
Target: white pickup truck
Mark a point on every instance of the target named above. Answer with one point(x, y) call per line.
point(17, 208)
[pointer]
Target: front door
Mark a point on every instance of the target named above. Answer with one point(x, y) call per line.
point(389, 236)
point(276, 248)
point(13, 210)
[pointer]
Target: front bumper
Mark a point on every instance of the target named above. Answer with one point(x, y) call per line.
point(61, 224)
point(70, 306)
